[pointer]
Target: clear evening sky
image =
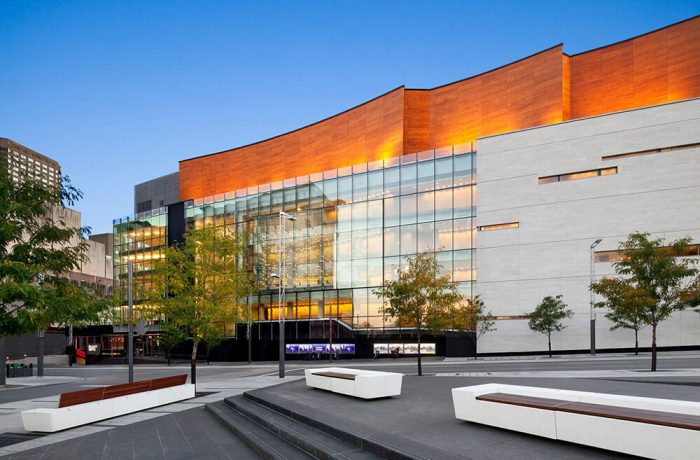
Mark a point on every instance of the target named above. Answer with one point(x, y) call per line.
point(119, 91)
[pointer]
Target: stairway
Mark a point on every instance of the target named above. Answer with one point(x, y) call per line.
point(276, 433)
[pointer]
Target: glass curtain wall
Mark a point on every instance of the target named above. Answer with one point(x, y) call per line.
point(355, 228)
point(141, 241)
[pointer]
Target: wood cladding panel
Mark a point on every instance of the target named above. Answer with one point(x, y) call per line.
point(368, 132)
point(520, 95)
point(566, 87)
point(416, 125)
point(545, 88)
point(659, 67)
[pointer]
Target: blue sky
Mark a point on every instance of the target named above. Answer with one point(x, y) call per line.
point(119, 91)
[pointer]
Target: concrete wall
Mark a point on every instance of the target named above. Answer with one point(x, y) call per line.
point(549, 253)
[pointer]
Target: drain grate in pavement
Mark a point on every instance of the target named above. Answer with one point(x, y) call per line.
point(7, 439)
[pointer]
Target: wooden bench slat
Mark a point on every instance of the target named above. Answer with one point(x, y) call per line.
point(71, 398)
point(670, 419)
point(335, 375)
point(125, 389)
point(652, 417)
point(520, 400)
point(166, 382)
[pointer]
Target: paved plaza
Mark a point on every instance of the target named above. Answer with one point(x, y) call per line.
point(420, 421)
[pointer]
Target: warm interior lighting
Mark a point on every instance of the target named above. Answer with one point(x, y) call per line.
point(488, 228)
point(638, 153)
point(577, 175)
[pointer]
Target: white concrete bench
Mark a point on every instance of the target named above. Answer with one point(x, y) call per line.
point(648, 427)
point(88, 406)
point(355, 382)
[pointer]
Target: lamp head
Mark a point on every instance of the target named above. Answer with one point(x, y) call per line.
point(596, 243)
point(287, 216)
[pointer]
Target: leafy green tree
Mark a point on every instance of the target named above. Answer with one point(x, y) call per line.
point(657, 280)
point(625, 305)
point(37, 249)
point(172, 336)
point(198, 285)
point(549, 317)
point(472, 316)
point(420, 297)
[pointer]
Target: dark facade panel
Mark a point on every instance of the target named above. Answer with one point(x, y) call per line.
point(156, 193)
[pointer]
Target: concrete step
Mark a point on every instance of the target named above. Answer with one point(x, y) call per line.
point(365, 444)
point(317, 443)
point(263, 442)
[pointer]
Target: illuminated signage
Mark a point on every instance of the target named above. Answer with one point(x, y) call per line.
point(404, 348)
point(306, 348)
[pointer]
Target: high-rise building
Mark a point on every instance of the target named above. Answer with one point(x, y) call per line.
point(21, 161)
point(570, 149)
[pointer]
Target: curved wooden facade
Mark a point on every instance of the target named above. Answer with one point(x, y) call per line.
point(547, 87)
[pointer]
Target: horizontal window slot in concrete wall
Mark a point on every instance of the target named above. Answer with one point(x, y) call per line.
point(504, 226)
point(578, 175)
point(510, 317)
point(692, 250)
point(639, 153)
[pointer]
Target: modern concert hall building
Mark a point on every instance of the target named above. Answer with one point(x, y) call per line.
point(510, 176)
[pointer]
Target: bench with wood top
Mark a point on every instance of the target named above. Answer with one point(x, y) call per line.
point(87, 406)
point(72, 398)
point(648, 427)
point(355, 382)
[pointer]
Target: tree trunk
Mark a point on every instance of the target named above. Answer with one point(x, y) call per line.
point(40, 353)
point(549, 343)
point(653, 348)
point(2, 361)
point(193, 364)
point(250, 347)
point(420, 364)
point(636, 342)
point(169, 354)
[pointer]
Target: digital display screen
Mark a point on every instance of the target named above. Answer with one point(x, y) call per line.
point(306, 348)
point(404, 348)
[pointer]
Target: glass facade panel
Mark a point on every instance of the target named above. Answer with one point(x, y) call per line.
point(392, 182)
point(408, 179)
point(443, 173)
point(359, 187)
point(426, 237)
point(375, 185)
point(374, 214)
point(443, 204)
point(426, 207)
point(462, 203)
point(408, 240)
point(426, 176)
point(391, 212)
point(443, 235)
point(408, 209)
point(345, 190)
point(391, 241)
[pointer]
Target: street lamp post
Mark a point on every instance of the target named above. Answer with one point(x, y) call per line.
point(250, 346)
point(281, 288)
point(130, 324)
point(592, 313)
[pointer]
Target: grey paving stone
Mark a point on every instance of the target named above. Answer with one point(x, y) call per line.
point(147, 443)
point(120, 444)
point(422, 420)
